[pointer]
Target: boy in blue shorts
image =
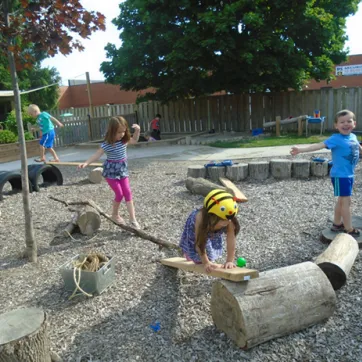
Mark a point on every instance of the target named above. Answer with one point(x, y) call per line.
point(345, 150)
point(45, 123)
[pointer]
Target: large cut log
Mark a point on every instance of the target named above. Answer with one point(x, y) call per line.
point(237, 172)
point(301, 168)
point(87, 219)
point(95, 176)
point(281, 169)
point(259, 170)
point(239, 196)
point(24, 336)
point(214, 173)
point(337, 260)
point(285, 121)
point(200, 186)
point(196, 171)
point(319, 169)
point(279, 302)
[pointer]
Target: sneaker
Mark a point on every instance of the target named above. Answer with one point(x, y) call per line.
point(135, 225)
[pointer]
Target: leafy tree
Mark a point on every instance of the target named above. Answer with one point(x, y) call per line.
point(190, 48)
point(45, 26)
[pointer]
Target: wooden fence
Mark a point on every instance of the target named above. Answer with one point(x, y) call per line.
point(238, 113)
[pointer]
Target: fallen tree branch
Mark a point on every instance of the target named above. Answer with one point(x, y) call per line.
point(130, 229)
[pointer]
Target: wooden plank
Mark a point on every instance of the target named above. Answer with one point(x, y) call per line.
point(95, 164)
point(236, 274)
point(240, 197)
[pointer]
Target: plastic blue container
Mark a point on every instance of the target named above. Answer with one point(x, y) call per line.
point(256, 131)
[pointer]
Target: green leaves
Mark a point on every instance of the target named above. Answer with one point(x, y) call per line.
point(191, 48)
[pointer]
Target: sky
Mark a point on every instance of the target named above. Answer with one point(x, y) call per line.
point(75, 65)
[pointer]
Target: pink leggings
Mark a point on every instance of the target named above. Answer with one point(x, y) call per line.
point(121, 188)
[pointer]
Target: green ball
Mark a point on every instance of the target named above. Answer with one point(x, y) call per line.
point(240, 262)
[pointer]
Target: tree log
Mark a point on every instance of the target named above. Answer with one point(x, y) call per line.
point(200, 186)
point(281, 169)
point(337, 260)
point(196, 171)
point(214, 173)
point(301, 169)
point(237, 172)
point(24, 336)
point(95, 176)
point(279, 302)
point(88, 220)
point(285, 121)
point(259, 170)
point(319, 169)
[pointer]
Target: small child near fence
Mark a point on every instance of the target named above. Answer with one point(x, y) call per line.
point(115, 168)
point(345, 155)
point(202, 238)
point(45, 122)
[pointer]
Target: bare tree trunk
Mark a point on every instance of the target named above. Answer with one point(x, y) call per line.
point(31, 247)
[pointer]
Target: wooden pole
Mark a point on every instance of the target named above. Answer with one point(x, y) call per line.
point(277, 126)
point(300, 126)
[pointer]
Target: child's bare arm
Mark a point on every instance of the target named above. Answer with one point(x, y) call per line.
point(54, 120)
point(315, 147)
point(93, 158)
point(136, 135)
point(230, 246)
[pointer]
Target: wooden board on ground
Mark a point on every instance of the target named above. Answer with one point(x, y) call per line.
point(240, 197)
point(236, 274)
point(95, 164)
point(328, 235)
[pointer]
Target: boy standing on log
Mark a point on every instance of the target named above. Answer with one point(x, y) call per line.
point(345, 155)
point(45, 122)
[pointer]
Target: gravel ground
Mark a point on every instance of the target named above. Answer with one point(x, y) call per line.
point(280, 226)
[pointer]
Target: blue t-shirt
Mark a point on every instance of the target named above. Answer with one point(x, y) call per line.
point(44, 122)
point(345, 154)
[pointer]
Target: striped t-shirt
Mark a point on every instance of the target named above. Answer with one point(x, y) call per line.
point(116, 151)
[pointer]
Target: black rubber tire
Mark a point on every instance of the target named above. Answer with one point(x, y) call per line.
point(14, 178)
point(49, 173)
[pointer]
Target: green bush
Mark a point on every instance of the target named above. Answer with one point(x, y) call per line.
point(8, 137)
point(28, 136)
point(10, 122)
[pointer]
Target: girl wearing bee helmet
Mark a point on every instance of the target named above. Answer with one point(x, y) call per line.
point(202, 238)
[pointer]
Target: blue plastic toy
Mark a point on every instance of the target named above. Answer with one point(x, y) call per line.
point(219, 164)
point(156, 326)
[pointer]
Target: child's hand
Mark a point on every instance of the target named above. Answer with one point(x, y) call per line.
point(60, 125)
point(83, 165)
point(294, 151)
point(229, 265)
point(136, 127)
point(211, 266)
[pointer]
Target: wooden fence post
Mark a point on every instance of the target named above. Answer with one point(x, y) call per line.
point(300, 126)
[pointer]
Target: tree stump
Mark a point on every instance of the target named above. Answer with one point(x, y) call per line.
point(319, 169)
point(87, 220)
point(24, 336)
point(237, 172)
point(196, 171)
point(279, 302)
point(200, 186)
point(214, 173)
point(337, 260)
point(95, 176)
point(259, 170)
point(281, 169)
point(301, 169)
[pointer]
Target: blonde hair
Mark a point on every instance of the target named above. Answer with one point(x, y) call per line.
point(343, 113)
point(113, 126)
point(33, 107)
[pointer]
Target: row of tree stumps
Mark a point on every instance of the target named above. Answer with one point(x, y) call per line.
point(261, 170)
point(285, 300)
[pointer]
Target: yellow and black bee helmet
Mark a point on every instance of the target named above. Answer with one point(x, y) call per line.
point(221, 203)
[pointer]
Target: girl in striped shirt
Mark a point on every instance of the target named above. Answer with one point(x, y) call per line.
point(115, 168)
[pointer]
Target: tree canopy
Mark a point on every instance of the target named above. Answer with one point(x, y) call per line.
point(190, 48)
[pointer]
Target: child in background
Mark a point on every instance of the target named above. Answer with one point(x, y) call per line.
point(155, 127)
point(148, 137)
point(345, 155)
point(45, 122)
point(115, 168)
point(202, 238)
